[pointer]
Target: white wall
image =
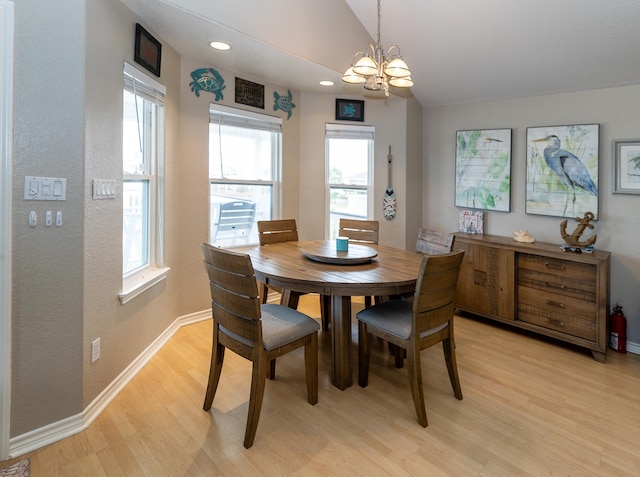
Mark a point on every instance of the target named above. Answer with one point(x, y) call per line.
point(617, 110)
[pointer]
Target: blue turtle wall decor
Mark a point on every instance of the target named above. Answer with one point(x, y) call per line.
point(207, 79)
point(349, 110)
point(283, 102)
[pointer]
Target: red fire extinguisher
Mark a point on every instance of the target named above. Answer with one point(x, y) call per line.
point(618, 335)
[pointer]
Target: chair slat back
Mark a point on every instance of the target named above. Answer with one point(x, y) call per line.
point(433, 302)
point(235, 301)
point(276, 231)
point(362, 231)
point(432, 242)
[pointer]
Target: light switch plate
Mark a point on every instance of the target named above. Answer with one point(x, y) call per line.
point(104, 189)
point(45, 188)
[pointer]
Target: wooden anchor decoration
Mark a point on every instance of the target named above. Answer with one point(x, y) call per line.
point(573, 239)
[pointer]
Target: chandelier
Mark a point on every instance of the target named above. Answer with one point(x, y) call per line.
point(376, 70)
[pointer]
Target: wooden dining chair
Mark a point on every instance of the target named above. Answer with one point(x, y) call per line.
point(259, 333)
point(431, 242)
point(286, 230)
point(359, 231)
point(275, 231)
point(434, 242)
point(415, 326)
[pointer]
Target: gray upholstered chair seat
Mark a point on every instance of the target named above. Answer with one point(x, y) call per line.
point(277, 329)
point(394, 317)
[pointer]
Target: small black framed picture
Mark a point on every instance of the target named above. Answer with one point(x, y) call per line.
point(249, 93)
point(349, 110)
point(147, 50)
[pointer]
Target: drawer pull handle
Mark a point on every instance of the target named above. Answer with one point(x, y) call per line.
point(554, 285)
point(555, 321)
point(555, 303)
point(554, 266)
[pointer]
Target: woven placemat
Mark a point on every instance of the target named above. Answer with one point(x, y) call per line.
point(19, 469)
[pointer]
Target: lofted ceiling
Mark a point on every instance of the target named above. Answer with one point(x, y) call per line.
point(459, 51)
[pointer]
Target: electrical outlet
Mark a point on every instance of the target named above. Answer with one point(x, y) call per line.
point(95, 350)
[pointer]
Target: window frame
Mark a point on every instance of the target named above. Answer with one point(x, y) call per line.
point(140, 279)
point(257, 121)
point(348, 131)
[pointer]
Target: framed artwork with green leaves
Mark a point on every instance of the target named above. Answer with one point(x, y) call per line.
point(626, 166)
point(483, 169)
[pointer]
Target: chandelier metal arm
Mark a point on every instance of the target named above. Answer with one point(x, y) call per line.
point(391, 48)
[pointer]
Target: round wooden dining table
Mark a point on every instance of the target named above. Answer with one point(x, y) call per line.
point(287, 265)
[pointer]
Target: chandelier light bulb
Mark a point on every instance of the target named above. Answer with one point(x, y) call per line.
point(365, 66)
point(397, 68)
point(351, 77)
point(405, 82)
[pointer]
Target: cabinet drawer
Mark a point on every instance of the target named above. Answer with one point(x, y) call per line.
point(582, 289)
point(557, 312)
point(568, 269)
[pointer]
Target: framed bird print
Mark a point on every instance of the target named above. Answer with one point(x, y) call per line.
point(562, 170)
point(483, 169)
point(626, 166)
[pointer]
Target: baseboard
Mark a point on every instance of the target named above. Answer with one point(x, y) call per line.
point(633, 348)
point(56, 431)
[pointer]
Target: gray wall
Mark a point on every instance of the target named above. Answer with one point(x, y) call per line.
point(47, 354)
point(191, 172)
point(68, 123)
point(618, 227)
point(397, 123)
point(125, 330)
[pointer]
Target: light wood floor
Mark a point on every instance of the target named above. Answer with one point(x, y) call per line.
point(531, 407)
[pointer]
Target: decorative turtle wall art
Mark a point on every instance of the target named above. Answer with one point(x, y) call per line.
point(284, 103)
point(349, 110)
point(207, 79)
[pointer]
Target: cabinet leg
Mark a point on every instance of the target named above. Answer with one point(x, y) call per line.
point(599, 356)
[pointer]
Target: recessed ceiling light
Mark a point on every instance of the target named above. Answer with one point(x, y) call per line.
point(327, 83)
point(219, 45)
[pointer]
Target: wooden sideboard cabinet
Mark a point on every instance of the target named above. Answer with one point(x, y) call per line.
point(537, 287)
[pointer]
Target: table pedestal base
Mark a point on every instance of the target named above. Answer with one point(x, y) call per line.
point(341, 341)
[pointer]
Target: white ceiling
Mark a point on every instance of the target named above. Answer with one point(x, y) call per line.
point(459, 51)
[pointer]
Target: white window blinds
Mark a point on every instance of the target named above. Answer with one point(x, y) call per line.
point(344, 131)
point(143, 85)
point(226, 116)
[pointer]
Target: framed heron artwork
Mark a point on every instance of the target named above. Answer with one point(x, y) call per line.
point(483, 169)
point(562, 170)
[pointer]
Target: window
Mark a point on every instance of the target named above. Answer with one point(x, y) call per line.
point(349, 158)
point(244, 162)
point(142, 160)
